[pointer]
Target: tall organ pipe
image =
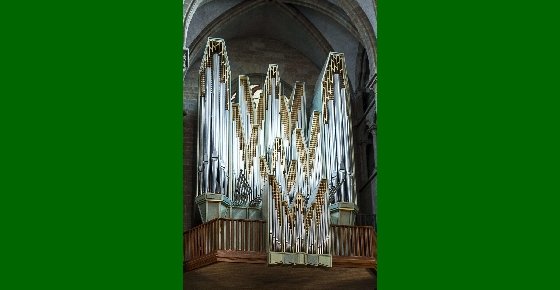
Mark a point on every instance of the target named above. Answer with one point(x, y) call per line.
point(214, 130)
point(302, 161)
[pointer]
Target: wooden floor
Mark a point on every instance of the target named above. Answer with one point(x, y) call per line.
point(261, 258)
point(260, 276)
point(225, 256)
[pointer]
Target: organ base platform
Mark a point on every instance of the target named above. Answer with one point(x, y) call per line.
point(212, 206)
point(299, 259)
point(343, 213)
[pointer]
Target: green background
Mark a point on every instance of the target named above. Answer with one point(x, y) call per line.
point(91, 190)
point(92, 145)
point(468, 190)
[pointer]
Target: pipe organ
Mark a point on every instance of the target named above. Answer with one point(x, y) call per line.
point(262, 153)
point(337, 131)
point(214, 120)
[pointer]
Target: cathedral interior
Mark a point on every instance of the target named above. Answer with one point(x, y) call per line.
point(247, 55)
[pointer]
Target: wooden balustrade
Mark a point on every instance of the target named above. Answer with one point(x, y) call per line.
point(232, 240)
point(358, 241)
point(354, 246)
point(239, 240)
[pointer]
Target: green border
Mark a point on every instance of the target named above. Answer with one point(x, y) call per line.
point(465, 201)
point(92, 145)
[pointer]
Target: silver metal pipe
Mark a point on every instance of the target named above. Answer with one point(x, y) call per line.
point(207, 129)
point(202, 146)
point(223, 139)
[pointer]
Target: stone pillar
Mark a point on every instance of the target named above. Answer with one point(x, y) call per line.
point(373, 132)
point(185, 62)
point(371, 124)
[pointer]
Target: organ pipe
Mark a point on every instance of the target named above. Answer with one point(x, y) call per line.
point(264, 148)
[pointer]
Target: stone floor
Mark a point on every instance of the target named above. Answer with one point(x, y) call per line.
point(260, 276)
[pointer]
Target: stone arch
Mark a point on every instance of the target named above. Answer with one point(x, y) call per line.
point(359, 25)
point(364, 27)
point(241, 10)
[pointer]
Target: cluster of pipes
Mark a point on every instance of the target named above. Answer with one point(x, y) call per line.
point(264, 147)
point(214, 120)
point(338, 157)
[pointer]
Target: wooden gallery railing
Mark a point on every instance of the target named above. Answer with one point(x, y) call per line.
point(354, 246)
point(224, 240)
point(238, 240)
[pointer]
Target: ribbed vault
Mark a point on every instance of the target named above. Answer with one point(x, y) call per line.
point(298, 23)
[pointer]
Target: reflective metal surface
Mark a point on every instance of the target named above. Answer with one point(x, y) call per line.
point(264, 149)
point(214, 104)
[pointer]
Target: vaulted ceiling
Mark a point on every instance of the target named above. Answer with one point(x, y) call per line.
point(313, 27)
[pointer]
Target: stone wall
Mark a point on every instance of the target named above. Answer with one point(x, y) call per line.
point(254, 54)
point(189, 168)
